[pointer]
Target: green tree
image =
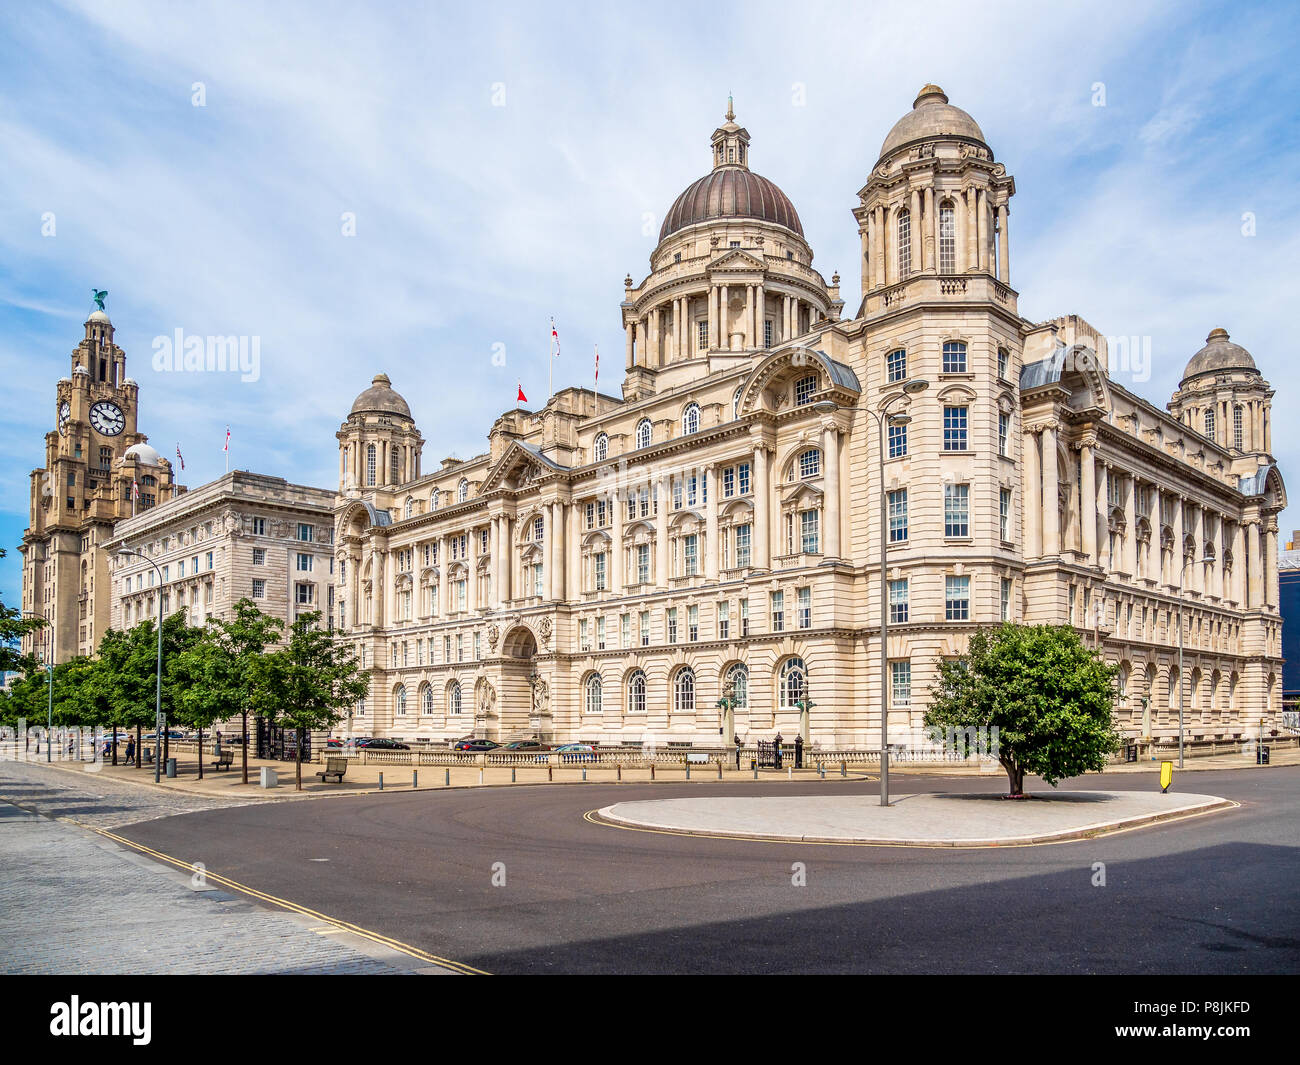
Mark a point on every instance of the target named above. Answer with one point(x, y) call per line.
point(312, 681)
point(1049, 697)
point(13, 627)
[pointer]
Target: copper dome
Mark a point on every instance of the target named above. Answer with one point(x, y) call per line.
point(1219, 355)
point(380, 398)
point(731, 192)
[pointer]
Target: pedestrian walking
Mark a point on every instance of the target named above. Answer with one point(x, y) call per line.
point(130, 750)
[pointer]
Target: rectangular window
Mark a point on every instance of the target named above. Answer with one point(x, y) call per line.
point(956, 598)
point(304, 562)
point(900, 676)
point(744, 617)
point(600, 633)
point(644, 624)
point(1002, 364)
point(804, 388)
point(1005, 599)
point(767, 332)
point(898, 602)
point(703, 342)
point(625, 631)
point(1004, 431)
point(904, 243)
point(1004, 514)
point(305, 532)
point(804, 602)
point(690, 555)
point(954, 357)
point(897, 503)
point(956, 510)
point(955, 428)
point(896, 366)
point(778, 611)
point(671, 624)
point(600, 571)
point(166, 573)
point(460, 647)
point(897, 441)
point(742, 476)
point(259, 526)
point(743, 551)
point(729, 482)
point(693, 623)
point(461, 590)
point(538, 586)
point(304, 593)
point(209, 559)
point(808, 538)
point(643, 563)
point(724, 620)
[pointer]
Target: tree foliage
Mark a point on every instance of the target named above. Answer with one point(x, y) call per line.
point(1049, 697)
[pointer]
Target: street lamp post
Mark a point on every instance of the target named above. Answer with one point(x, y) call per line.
point(911, 387)
point(128, 552)
point(49, 673)
point(1186, 562)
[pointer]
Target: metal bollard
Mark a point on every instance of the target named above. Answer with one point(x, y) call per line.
point(550, 772)
point(844, 768)
point(754, 764)
point(652, 770)
point(480, 776)
point(415, 778)
point(789, 773)
point(620, 772)
point(584, 772)
point(688, 770)
point(821, 768)
point(447, 779)
point(512, 774)
point(381, 781)
point(719, 770)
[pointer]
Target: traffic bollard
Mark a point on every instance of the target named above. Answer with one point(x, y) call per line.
point(719, 770)
point(688, 770)
point(620, 772)
point(381, 781)
point(415, 778)
point(584, 772)
point(652, 770)
point(844, 768)
point(480, 776)
point(447, 780)
point(512, 774)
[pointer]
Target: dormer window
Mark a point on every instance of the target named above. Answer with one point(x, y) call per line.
point(677, 256)
point(601, 449)
point(462, 491)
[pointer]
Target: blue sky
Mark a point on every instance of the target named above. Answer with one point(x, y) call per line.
point(476, 222)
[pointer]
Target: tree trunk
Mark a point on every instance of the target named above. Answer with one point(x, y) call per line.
point(200, 753)
point(165, 740)
point(1015, 778)
point(297, 757)
point(139, 754)
point(243, 718)
point(114, 745)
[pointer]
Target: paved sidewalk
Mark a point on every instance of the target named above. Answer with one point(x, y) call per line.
point(73, 902)
point(927, 819)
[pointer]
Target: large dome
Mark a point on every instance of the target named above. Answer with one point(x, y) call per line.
point(931, 116)
point(1219, 355)
point(731, 192)
point(144, 454)
point(381, 399)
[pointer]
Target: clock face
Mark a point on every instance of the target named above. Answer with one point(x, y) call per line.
point(107, 418)
point(65, 411)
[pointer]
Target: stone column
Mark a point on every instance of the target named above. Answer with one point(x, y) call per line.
point(914, 230)
point(1238, 564)
point(982, 229)
point(652, 357)
point(1270, 562)
point(931, 230)
point(969, 238)
point(881, 253)
point(760, 315)
point(1033, 494)
point(751, 331)
point(444, 578)
point(1152, 571)
point(831, 510)
point(1103, 517)
point(724, 315)
point(627, 329)
point(762, 509)
point(1176, 577)
point(1087, 499)
point(1004, 257)
point(661, 533)
point(354, 587)
point(616, 551)
point(1130, 528)
point(548, 555)
point(711, 545)
point(379, 587)
point(559, 581)
point(1051, 509)
point(1255, 579)
point(494, 549)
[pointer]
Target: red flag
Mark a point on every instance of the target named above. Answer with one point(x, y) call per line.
point(227, 445)
point(135, 490)
point(597, 362)
point(180, 456)
point(522, 398)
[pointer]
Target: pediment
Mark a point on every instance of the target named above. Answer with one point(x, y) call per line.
point(737, 260)
point(519, 466)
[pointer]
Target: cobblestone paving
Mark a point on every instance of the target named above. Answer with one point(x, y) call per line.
point(72, 902)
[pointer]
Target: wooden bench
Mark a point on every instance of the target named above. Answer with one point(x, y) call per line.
point(225, 760)
point(334, 767)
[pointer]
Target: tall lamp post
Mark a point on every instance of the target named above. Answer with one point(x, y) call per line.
point(128, 552)
point(912, 387)
point(49, 672)
point(1186, 562)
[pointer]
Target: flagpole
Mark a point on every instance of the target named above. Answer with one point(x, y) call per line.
point(550, 364)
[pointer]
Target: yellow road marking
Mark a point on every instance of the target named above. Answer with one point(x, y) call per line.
point(334, 923)
point(592, 817)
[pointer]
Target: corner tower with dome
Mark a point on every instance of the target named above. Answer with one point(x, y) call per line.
point(95, 460)
point(697, 559)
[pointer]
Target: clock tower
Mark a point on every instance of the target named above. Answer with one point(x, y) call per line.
point(98, 467)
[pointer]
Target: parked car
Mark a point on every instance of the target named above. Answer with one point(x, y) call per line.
point(172, 734)
point(381, 744)
point(577, 752)
point(475, 745)
point(527, 745)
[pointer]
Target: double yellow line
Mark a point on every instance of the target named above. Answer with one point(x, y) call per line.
point(275, 900)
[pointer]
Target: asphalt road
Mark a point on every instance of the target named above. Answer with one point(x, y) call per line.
point(513, 880)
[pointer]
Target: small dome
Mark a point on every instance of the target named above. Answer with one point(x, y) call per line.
point(380, 398)
point(931, 116)
point(144, 454)
point(1219, 355)
point(65, 380)
point(130, 382)
point(731, 192)
point(99, 316)
point(80, 371)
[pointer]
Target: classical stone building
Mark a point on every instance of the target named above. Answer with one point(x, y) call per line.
point(96, 461)
point(244, 535)
point(699, 556)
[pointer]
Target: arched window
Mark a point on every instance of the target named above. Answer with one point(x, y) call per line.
point(1209, 422)
point(1238, 427)
point(394, 465)
point(904, 243)
point(684, 691)
point(691, 419)
point(954, 357)
point(737, 680)
point(434, 499)
point(462, 491)
point(643, 433)
point(410, 506)
point(399, 701)
point(896, 366)
point(793, 679)
point(735, 403)
point(592, 694)
point(1171, 695)
point(453, 698)
point(947, 238)
point(810, 464)
point(636, 693)
point(426, 701)
point(602, 448)
point(370, 464)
